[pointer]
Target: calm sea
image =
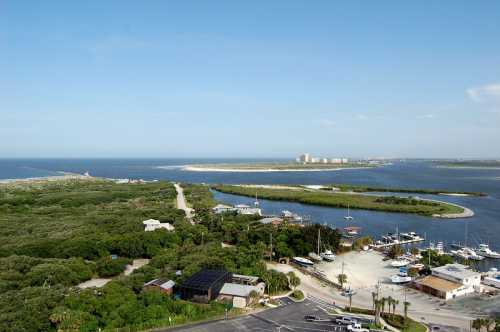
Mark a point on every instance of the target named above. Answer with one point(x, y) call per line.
point(484, 227)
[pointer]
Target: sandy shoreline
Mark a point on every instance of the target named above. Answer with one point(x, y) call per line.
point(190, 168)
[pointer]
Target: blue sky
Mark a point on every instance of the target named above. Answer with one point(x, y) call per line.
point(249, 79)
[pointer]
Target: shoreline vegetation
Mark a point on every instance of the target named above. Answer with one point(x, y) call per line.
point(469, 164)
point(364, 189)
point(273, 167)
point(430, 208)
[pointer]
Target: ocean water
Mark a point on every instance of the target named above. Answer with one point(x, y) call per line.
point(483, 227)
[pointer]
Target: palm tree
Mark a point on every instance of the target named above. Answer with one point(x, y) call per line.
point(378, 306)
point(406, 305)
point(382, 303)
point(293, 279)
point(394, 304)
point(389, 303)
point(477, 324)
point(374, 298)
point(342, 278)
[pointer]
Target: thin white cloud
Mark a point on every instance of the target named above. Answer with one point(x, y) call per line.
point(361, 117)
point(116, 43)
point(485, 93)
point(327, 123)
point(426, 116)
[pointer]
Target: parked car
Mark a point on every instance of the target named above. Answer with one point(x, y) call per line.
point(311, 318)
point(346, 321)
point(356, 327)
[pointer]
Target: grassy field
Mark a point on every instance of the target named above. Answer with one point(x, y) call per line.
point(364, 188)
point(340, 200)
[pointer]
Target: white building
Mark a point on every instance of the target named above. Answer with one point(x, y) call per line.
point(240, 209)
point(221, 208)
point(304, 158)
point(458, 273)
point(246, 209)
point(239, 294)
point(335, 160)
point(450, 281)
point(492, 278)
point(315, 160)
point(153, 224)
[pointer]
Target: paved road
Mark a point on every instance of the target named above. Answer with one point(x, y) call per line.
point(288, 317)
point(181, 202)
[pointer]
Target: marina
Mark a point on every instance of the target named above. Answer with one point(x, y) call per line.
point(392, 239)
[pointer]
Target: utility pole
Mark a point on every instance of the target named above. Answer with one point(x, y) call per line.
point(271, 253)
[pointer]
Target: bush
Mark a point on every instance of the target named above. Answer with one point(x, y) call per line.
point(107, 267)
point(297, 294)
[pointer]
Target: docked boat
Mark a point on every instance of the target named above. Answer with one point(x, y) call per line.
point(417, 266)
point(485, 251)
point(302, 261)
point(352, 231)
point(438, 248)
point(348, 217)
point(315, 257)
point(397, 279)
point(467, 253)
point(328, 255)
point(400, 263)
point(402, 277)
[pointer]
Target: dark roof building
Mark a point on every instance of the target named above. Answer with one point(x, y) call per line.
point(205, 285)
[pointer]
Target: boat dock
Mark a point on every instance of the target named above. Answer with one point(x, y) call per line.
point(390, 240)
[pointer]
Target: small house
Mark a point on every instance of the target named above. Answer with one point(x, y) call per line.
point(153, 224)
point(238, 295)
point(164, 286)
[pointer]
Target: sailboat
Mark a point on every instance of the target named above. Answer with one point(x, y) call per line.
point(348, 217)
point(466, 252)
point(317, 256)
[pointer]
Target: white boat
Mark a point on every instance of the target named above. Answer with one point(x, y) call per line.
point(417, 266)
point(400, 263)
point(485, 251)
point(397, 279)
point(348, 217)
point(467, 253)
point(303, 261)
point(315, 257)
point(328, 255)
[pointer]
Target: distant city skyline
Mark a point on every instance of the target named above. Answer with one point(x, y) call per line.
point(187, 79)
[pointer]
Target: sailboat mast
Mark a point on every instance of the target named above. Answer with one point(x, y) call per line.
point(319, 235)
point(466, 233)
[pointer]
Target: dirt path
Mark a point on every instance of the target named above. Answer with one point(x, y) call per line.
point(181, 203)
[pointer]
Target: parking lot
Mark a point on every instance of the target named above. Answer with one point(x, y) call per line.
point(288, 317)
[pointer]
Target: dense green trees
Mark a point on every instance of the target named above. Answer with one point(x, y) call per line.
point(56, 235)
point(435, 258)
